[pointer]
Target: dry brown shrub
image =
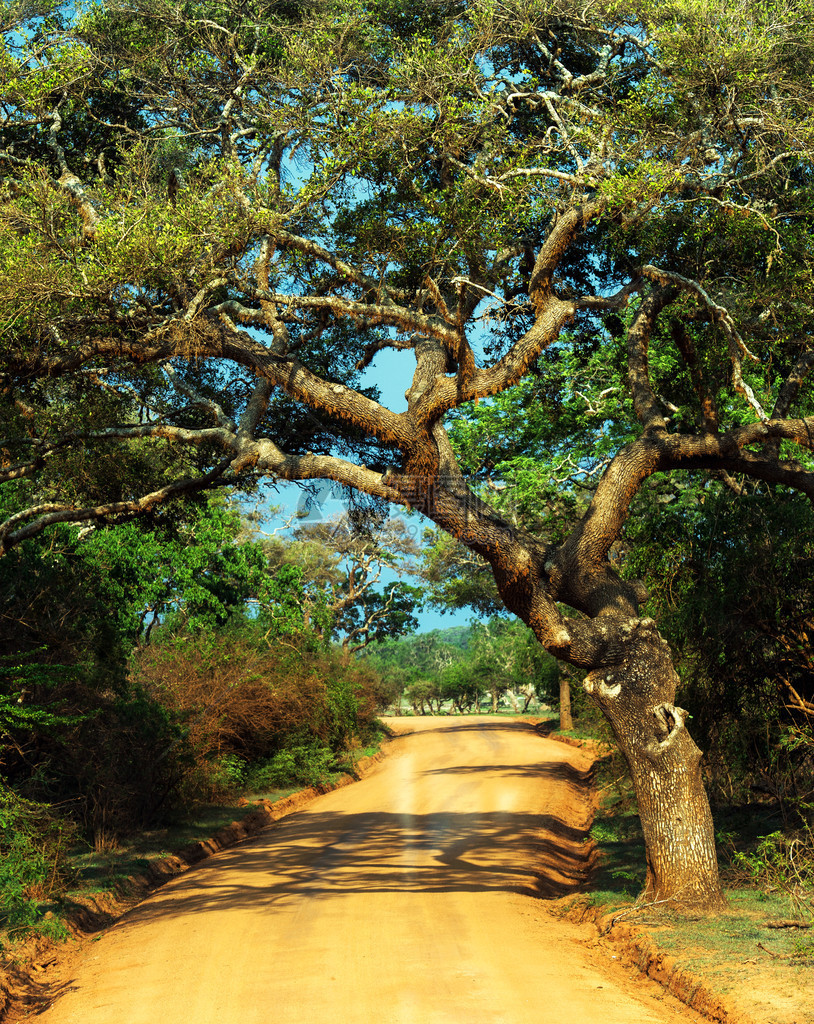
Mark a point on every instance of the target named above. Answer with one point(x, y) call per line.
point(235, 695)
point(231, 698)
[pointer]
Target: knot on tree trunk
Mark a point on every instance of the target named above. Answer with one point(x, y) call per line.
point(602, 685)
point(668, 727)
point(605, 642)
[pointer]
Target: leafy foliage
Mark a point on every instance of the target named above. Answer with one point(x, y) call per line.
point(344, 570)
point(33, 845)
point(731, 582)
point(248, 705)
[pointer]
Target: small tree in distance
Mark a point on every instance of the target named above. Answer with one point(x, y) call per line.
point(345, 571)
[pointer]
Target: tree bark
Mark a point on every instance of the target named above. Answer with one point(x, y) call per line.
point(636, 696)
point(566, 721)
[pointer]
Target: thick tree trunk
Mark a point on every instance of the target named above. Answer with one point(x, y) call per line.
point(566, 721)
point(636, 696)
point(631, 677)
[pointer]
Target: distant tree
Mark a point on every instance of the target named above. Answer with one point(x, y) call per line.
point(456, 577)
point(507, 657)
point(343, 571)
point(424, 696)
point(423, 666)
point(462, 687)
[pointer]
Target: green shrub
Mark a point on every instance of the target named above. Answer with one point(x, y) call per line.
point(229, 773)
point(32, 863)
point(782, 863)
point(306, 764)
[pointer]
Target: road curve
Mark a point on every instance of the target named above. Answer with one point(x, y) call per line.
point(411, 897)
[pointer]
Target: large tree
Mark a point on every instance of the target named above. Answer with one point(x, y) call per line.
point(216, 214)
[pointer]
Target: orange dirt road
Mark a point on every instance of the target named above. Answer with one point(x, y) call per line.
point(411, 897)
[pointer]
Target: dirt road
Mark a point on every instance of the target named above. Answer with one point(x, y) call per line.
point(408, 898)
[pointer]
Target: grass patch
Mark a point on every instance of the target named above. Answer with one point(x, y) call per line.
point(96, 871)
point(621, 873)
point(580, 731)
point(738, 934)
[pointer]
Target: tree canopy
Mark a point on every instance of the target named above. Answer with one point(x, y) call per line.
point(215, 215)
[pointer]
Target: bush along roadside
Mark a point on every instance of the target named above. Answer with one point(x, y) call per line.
point(198, 725)
point(34, 866)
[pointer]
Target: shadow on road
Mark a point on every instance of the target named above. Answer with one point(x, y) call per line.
point(497, 724)
point(330, 855)
point(545, 771)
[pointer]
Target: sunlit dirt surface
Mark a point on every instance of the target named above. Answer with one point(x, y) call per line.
point(412, 897)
